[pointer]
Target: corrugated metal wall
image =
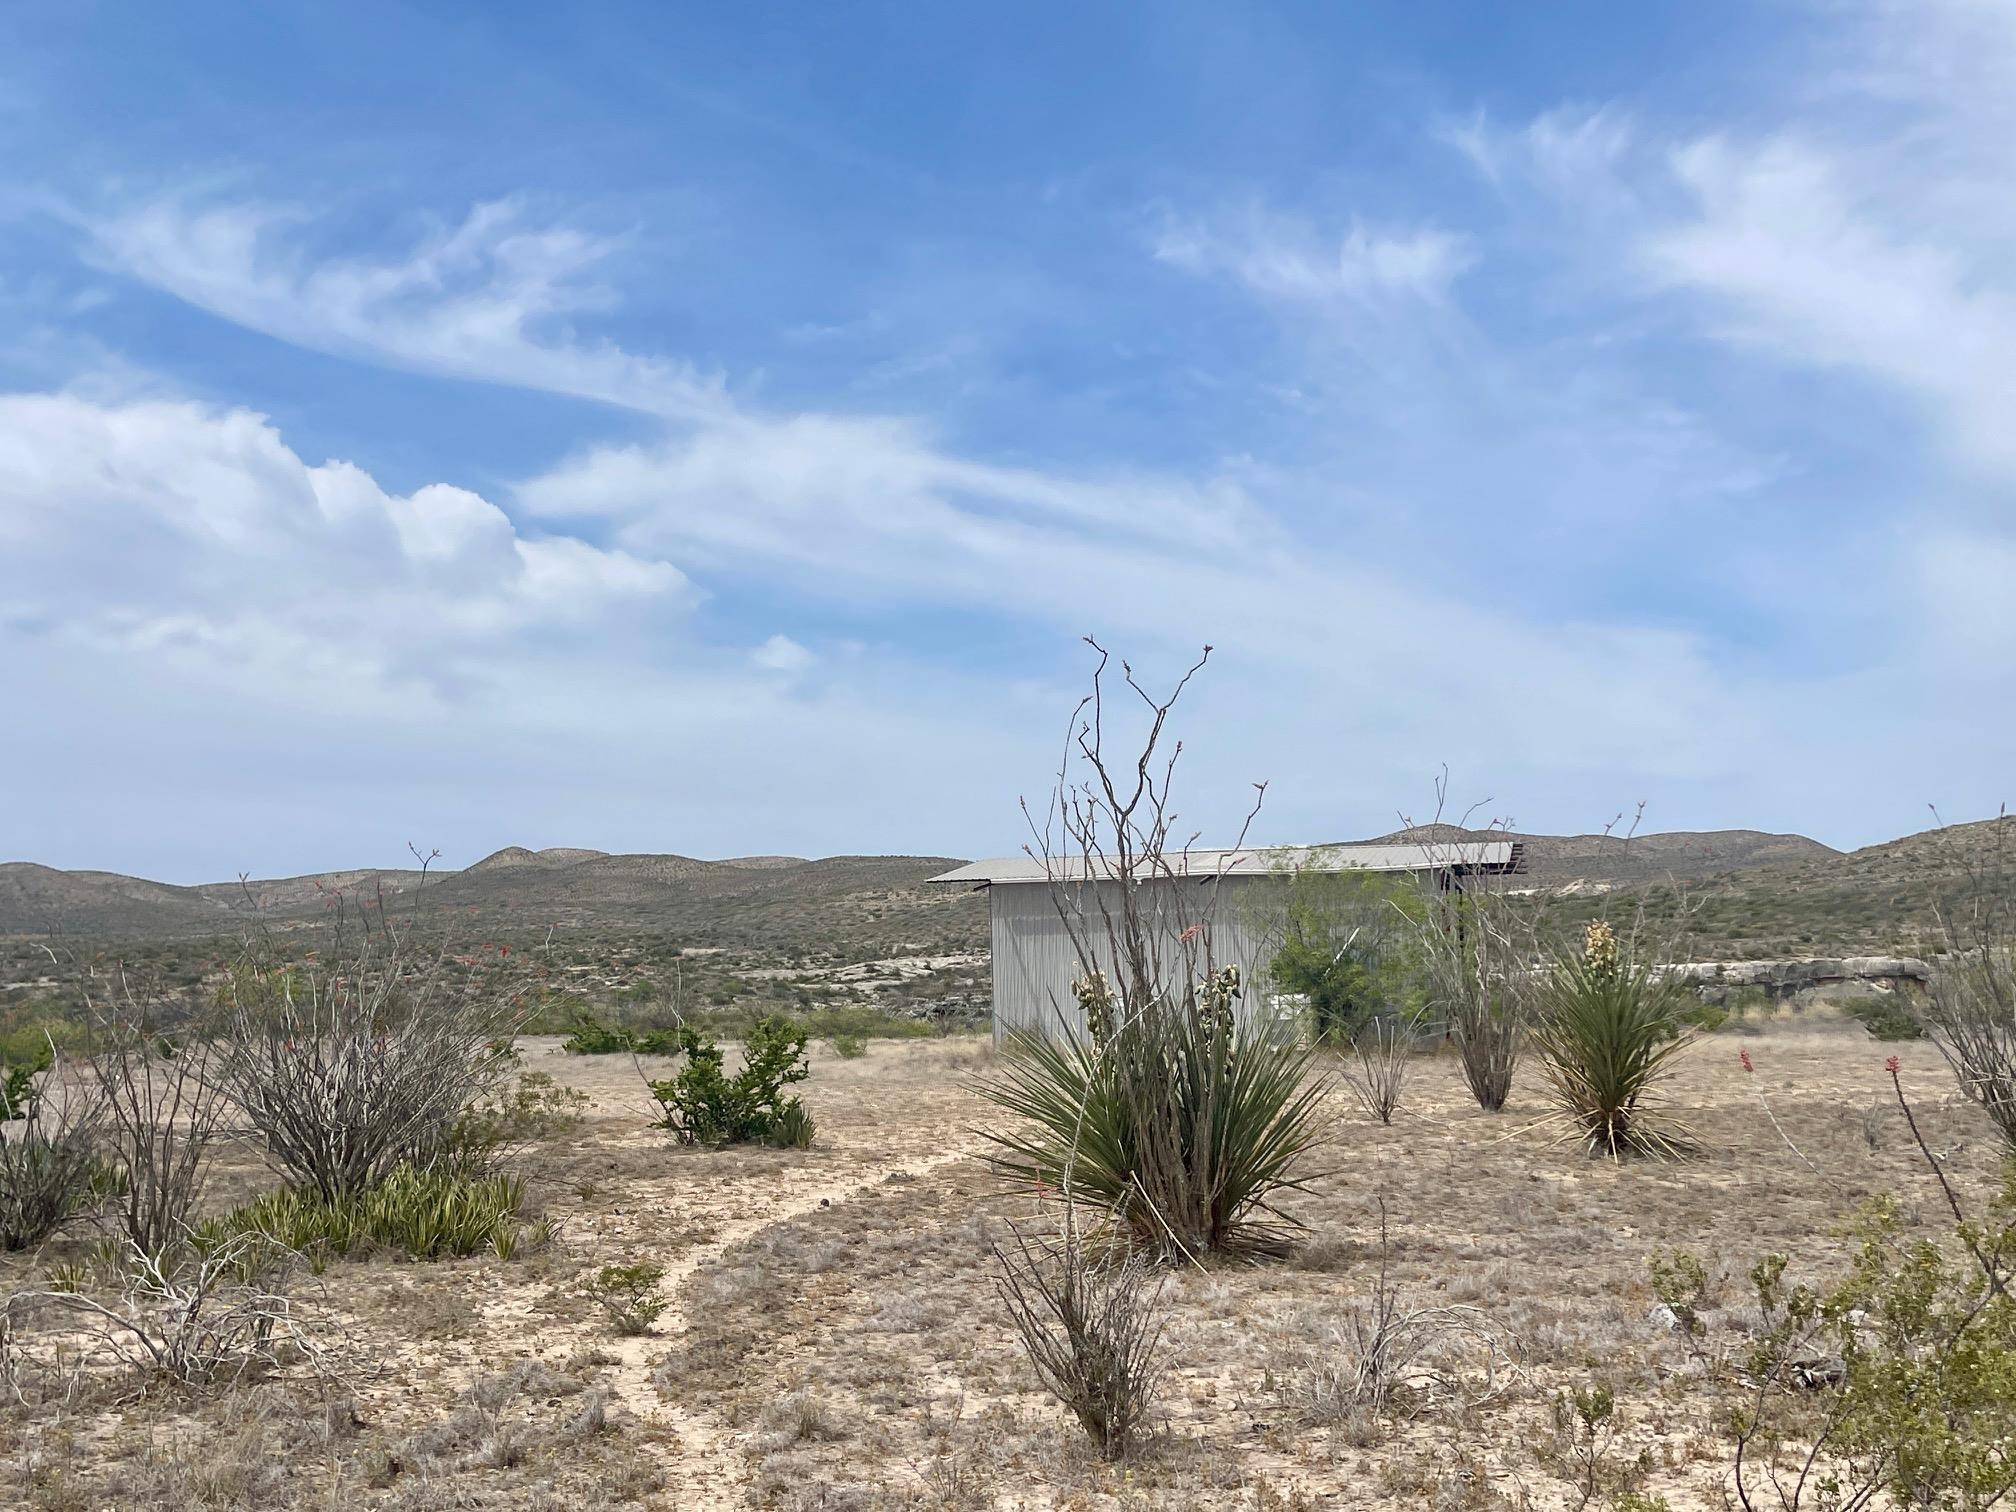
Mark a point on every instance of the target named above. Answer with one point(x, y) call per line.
point(1035, 962)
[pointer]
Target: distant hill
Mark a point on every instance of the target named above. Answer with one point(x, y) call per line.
point(1727, 893)
point(41, 900)
point(1881, 899)
point(1552, 860)
point(840, 902)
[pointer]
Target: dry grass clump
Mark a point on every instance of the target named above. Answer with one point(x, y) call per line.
point(495, 1425)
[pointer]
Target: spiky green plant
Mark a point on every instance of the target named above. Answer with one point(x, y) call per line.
point(423, 1213)
point(1608, 1028)
point(1183, 1118)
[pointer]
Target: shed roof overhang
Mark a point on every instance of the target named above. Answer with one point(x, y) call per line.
point(1462, 856)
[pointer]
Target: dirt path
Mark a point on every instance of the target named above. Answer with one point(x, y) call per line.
point(711, 1467)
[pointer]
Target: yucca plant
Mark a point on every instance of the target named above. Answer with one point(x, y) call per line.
point(1608, 1028)
point(1158, 1102)
point(1182, 1122)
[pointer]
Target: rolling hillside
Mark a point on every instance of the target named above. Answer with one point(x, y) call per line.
point(1725, 893)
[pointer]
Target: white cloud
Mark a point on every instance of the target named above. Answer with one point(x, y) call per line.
point(1283, 259)
point(488, 299)
point(168, 527)
point(782, 655)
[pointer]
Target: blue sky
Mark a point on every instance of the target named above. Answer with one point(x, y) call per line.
point(711, 428)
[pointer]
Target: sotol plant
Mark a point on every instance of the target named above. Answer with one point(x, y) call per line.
point(1174, 1110)
point(1608, 1028)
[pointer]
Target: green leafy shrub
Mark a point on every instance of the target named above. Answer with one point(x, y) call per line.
point(1607, 1031)
point(591, 1036)
point(705, 1106)
point(1885, 1017)
point(1706, 1017)
point(1680, 1281)
point(848, 1046)
point(426, 1214)
point(1342, 953)
point(1899, 1378)
point(17, 1090)
point(1182, 1117)
point(630, 1295)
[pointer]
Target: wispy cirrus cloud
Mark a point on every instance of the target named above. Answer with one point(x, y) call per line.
point(488, 297)
point(1279, 257)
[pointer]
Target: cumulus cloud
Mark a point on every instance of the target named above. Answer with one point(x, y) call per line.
point(167, 526)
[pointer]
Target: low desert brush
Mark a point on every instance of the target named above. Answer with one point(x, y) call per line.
point(50, 1168)
point(631, 1296)
point(1090, 1318)
point(1894, 1384)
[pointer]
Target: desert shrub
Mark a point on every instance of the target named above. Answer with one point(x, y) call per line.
point(848, 1046)
point(591, 1036)
point(424, 1213)
point(1898, 1378)
point(504, 1123)
point(1377, 1070)
point(1387, 1353)
point(1182, 1117)
point(1607, 1030)
point(1706, 1017)
point(1970, 1010)
point(1681, 1283)
point(630, 1295)
point(24, 1056)
point(163, 1110)
point(706, 1106)
point(51, 1170)
point(854, 1021)
point(1092, 1326)
point(201, 1317)
point(1885, 1017)
point(359, 1061)
point(1346, 952)
point(1476, 977)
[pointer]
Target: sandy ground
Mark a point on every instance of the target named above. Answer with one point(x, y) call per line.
point(833, 1340)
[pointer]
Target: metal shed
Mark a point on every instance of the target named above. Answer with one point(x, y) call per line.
point(1215, 895)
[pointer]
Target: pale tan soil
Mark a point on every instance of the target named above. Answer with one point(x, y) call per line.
point(834, 1341)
